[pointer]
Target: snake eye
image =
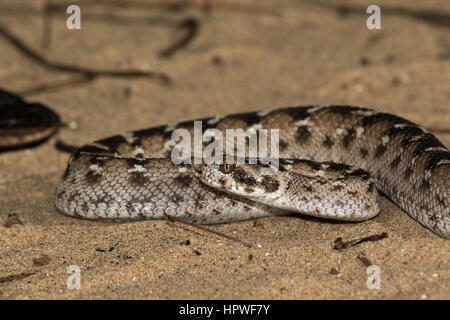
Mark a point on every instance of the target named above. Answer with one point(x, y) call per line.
point(227, 167)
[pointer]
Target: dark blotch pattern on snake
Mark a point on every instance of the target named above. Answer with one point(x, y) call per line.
point(130, 176)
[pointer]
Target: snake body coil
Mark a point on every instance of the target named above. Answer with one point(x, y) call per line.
point(24, 124)
point(131, 176)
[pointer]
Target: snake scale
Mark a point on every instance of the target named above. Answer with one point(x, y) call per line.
point(332, 161)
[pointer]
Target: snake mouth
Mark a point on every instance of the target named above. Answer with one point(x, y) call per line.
point(198, 168)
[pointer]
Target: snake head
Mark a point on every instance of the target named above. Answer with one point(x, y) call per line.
point(240, 179)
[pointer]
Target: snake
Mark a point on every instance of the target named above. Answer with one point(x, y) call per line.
point(24, 124)
point(333, 163)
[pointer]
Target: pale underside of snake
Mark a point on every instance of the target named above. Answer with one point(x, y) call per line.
point(348, 152)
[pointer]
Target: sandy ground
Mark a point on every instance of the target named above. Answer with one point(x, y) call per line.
point(252, 56)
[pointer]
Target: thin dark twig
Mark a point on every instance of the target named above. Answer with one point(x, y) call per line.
point(64, 147)
point(212, 231)
point(435, 17)
point(47, 17)
point(192, 27)
point(17, 276)
point(54, 85)
point(75, 69)
point(179, 5)
point(340, 244)
point(439, 130)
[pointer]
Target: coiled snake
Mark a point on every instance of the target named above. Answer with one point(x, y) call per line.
point(349, 152)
